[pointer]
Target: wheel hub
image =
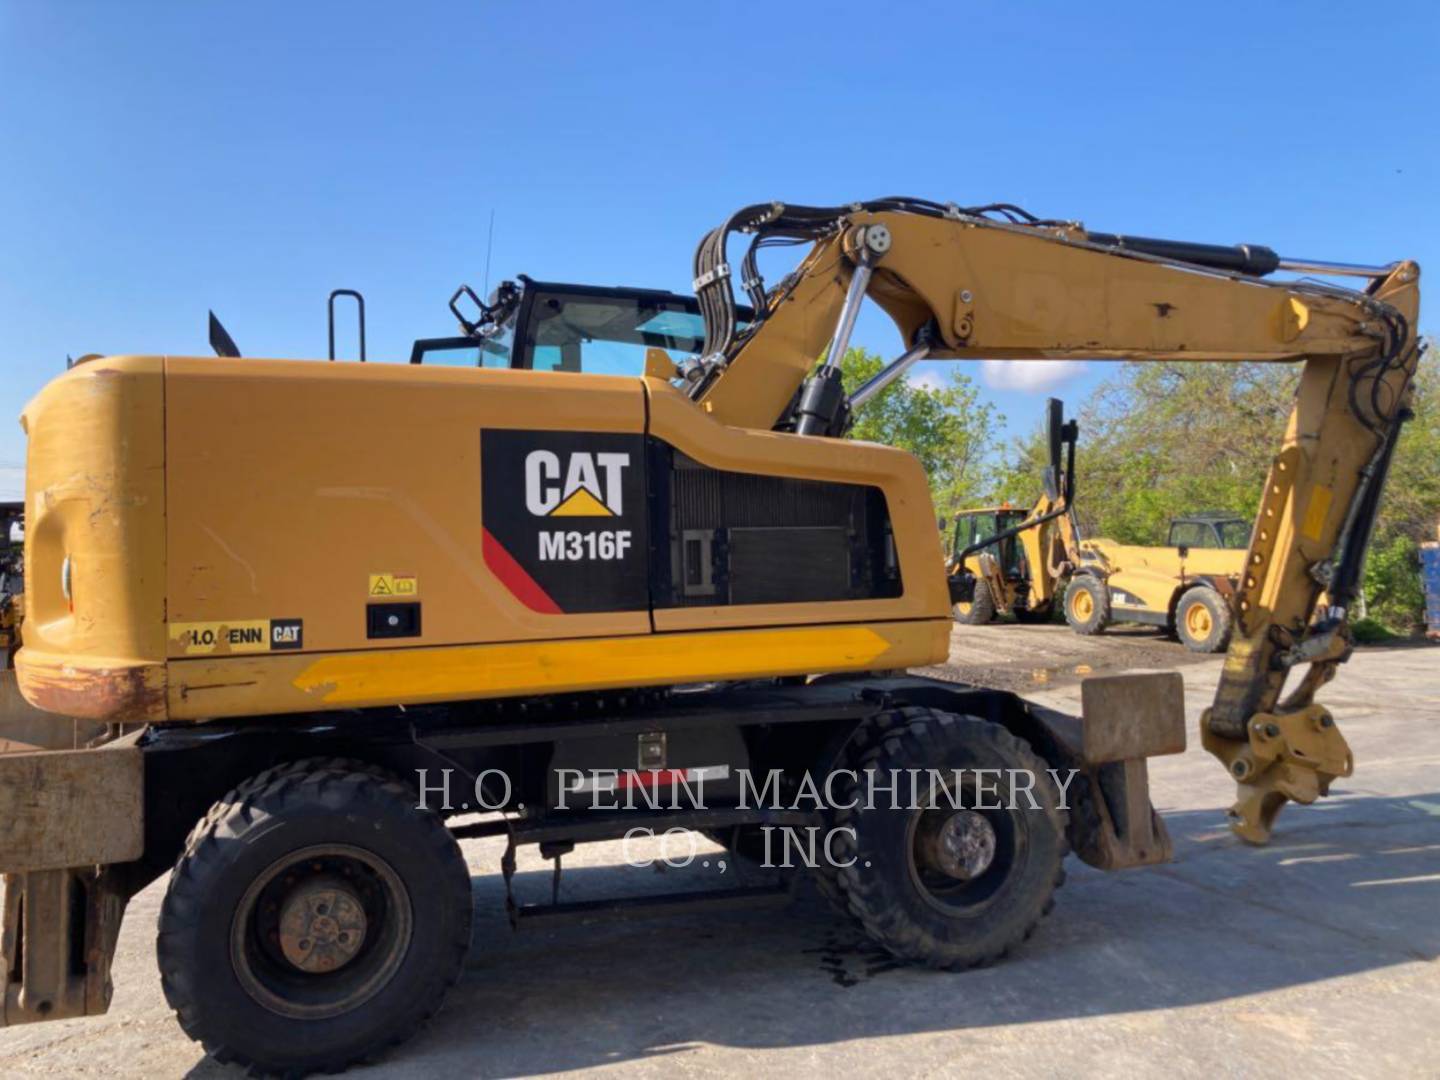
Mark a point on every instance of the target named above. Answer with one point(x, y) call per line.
point(1197, 620)
point(322, 926)
point(960, 846)
point(1082, 605)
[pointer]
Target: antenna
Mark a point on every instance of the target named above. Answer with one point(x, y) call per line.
point(489, 245)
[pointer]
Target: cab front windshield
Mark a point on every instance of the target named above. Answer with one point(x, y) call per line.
point(981, 525)
point(1234, 535)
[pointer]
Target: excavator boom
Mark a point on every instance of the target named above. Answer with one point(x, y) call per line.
point(961, 284)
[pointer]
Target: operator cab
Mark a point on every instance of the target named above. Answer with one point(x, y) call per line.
point(973, 526)
point(544, 326)
point(1212, 529)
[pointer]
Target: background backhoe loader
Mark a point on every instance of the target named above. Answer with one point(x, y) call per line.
point(1017, 558)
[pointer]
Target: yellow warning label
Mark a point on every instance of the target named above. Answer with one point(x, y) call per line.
point(1314, 522)
point(239, 636)
point(394, 585)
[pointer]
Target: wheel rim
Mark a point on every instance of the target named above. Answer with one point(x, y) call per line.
point(959, 845)
point(320, 931)
point(322, 926)
point(1197, 621)
point(1082, 605)
point(964, 607)
point(961, 859)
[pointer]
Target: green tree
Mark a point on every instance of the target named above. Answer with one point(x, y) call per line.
point(1163, 439)
point(1409, 512)
point(1020, 472)
point(946, 426)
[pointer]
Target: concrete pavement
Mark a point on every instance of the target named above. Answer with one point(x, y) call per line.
point(1314, 956)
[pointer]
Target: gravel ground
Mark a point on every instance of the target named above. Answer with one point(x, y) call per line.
point(1031, 659)
point(1314, 956)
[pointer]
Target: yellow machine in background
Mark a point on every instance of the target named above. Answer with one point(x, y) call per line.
point(1185, 587)
point(1007, 583)
point(621, 536)
point(1017, 558)
point(1008, 561)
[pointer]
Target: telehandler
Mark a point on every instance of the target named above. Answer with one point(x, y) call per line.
point(318, 607)
point(1185, 587)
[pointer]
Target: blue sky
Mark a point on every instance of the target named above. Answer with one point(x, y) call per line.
point(162, 159)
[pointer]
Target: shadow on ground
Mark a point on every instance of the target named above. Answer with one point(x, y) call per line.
point(1354, 887)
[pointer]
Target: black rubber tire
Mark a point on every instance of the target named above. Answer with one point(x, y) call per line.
point(1221, 620)
point(1099, 594)
point(269, 816)
point(747, 842)
point(879, 886)
point(980, 610)
point(864, 738)
point(1034, 616)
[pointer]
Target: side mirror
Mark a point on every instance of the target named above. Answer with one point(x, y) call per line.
point(1184, 551)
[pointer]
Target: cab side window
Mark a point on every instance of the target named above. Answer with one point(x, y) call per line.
point(1189, 534)
point(964, 532)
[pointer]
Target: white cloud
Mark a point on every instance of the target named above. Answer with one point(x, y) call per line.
point(926, 379)
point(1031, 375)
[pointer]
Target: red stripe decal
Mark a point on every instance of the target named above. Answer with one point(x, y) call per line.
point(649, 778)
point(513, 576)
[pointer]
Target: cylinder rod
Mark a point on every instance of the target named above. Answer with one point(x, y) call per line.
point(859, 281)
point(1321, 266)
point(889, 373)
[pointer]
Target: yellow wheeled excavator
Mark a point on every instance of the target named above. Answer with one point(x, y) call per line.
point(605, 541)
